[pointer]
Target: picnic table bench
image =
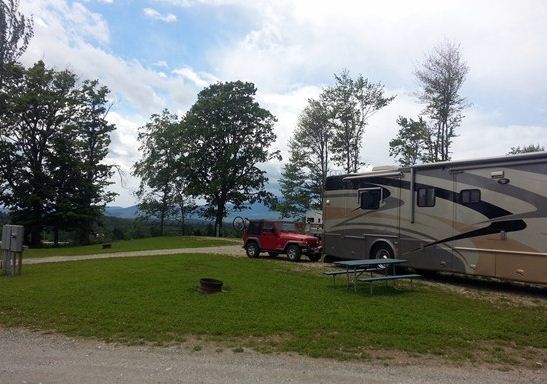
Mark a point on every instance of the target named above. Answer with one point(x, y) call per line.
point(343, 272)
point(355, 269)
point(386, 278)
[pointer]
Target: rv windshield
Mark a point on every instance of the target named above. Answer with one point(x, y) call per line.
point(287, 227)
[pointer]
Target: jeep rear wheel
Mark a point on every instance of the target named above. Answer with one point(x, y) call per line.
point(293, 252)
point(252, 249)
point(314, 257)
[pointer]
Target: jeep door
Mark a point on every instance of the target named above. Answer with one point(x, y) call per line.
point(269, 237)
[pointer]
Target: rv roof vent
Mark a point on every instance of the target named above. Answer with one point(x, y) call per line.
point(384, 168)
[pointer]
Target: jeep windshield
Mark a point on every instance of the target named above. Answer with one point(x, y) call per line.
point(287, 227)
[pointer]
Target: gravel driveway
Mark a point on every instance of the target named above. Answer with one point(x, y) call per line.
point(30, 357)
point(231, 250)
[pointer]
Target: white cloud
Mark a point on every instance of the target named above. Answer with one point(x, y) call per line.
point(61, 45)
point(290, 49)
point(161, 64)
point(191, 3)
point(200, 79)
point(123, 153)
point(155, 15)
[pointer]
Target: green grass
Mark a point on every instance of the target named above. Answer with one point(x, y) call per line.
point(164, 242)
point(269, 305)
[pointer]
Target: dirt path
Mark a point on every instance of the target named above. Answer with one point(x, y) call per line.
point(31, 357)
point(232, 250)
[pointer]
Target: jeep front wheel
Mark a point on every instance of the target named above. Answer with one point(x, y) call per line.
point(252, 249)
point(293, 252)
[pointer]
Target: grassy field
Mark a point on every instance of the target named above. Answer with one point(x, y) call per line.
point(164, 242)
point(270, 306)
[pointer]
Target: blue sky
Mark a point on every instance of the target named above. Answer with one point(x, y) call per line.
point(155, 54)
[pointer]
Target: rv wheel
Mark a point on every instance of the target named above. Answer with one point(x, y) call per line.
point(382, 251)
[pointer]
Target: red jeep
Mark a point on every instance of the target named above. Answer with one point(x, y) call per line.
point(277, 237)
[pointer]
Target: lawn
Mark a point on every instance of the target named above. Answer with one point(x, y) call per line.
point(164, 242)
point(270, 306)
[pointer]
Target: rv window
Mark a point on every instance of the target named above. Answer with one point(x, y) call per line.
point(426, 197)
point(370, 199)
point(469, 196)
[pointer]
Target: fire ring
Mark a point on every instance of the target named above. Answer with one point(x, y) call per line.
point(208, 285)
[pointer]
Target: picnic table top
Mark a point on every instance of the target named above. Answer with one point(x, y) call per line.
point(368, 262)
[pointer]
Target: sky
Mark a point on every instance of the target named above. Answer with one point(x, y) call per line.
point(156, 54)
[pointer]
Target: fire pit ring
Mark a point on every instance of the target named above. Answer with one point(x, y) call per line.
point(208, 285)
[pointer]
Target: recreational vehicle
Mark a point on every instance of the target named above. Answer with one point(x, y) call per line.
point(484, 217)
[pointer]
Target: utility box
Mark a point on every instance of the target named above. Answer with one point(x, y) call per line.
point(12, 248)
point(12, 238)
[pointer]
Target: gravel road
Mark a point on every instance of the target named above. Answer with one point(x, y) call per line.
point(31, 357)
point(231, 250)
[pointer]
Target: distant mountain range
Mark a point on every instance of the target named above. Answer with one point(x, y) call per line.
point(256, 211)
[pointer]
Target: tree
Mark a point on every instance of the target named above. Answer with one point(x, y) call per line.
point(312, 139)
point(16, 30)
point(295, 185)
point(184, 207)
point(303, 177)
point(90, 147)
point(227, 134)
point(350, 103)
point(526, 149)
point(413, 142)
point(441, 77)
point(53, 137)
point(39, 106)
point(163, 182)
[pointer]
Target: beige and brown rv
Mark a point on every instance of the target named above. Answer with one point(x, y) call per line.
point(483, 217)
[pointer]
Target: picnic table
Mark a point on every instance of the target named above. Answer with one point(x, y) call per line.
point(356, 268)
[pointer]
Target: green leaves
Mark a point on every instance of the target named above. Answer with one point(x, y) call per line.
point(162, 191)
point(413, 142)
point(441, 77)
point(56, 137)
point(227, 134)
point(211, 153)
point(350, 103)
point(330, 129)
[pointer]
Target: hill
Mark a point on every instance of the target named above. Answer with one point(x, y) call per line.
point(256, 211)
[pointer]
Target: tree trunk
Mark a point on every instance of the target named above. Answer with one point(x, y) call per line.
point(56, 236)
point(218, 220)
point(162, 219)
point(35, 235)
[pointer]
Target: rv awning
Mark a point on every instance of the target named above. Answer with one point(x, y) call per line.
point(373, 174)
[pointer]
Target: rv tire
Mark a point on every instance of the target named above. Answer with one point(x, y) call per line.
point(382, 251)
